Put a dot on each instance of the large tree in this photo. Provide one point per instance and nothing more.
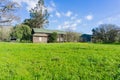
(7, 11)
(21, 32)
(39, 16)
(105, 33)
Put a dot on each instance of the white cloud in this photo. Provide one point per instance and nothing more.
(30, 3)
(52, 7)
(114, 19)
(71, 25)
(74, 17)
(69, 14)
(58, 14)
(74, 24)
(100, 22)
(66, 23)
(53, 4)
(51, 15)
(59, 27)
(78, 20)
(89, 17)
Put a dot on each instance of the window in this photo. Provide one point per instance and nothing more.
(40, 38)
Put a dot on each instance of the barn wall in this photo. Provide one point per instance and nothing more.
(40, 38)
(43, 38)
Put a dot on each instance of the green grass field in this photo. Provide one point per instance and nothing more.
(65, 61)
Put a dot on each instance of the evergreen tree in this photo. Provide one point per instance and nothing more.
(39, 16)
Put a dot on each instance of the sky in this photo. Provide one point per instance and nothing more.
(77, 15)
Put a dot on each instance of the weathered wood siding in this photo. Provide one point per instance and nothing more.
(40, 38)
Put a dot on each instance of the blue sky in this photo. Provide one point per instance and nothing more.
(78, 15)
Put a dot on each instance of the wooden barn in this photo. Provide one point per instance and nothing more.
(40, 35)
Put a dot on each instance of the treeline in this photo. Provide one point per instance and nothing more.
(106, 33)
(17, 33)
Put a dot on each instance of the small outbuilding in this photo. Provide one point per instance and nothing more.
(40, 35)
(85, 38)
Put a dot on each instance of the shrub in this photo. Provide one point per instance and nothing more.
(21, 32)
(53, 37)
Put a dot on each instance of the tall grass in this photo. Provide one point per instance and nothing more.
(67, 61)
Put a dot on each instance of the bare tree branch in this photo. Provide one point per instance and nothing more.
(7, 11)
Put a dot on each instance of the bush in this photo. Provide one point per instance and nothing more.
(53, 37)
(21, 33)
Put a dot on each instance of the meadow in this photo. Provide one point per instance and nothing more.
(59, 61)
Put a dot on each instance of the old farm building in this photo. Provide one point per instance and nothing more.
(41, 35)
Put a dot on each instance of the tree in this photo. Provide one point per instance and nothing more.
(53, 37)
(5, 33)
(118, 36)
(72, 36)
(105, 33)
(21, 32)
(39, 16)
(28, 22)
(7, 11)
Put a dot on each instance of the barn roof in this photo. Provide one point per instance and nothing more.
(41, 30)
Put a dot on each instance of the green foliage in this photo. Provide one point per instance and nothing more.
(28, 22)
(85, 38)
(21, 32)
(105, 33)
(53, 37)
(38, 16)
(69, 61)
(72, 36)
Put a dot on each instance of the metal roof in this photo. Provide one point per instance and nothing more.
(41, 30)
(44, 35)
